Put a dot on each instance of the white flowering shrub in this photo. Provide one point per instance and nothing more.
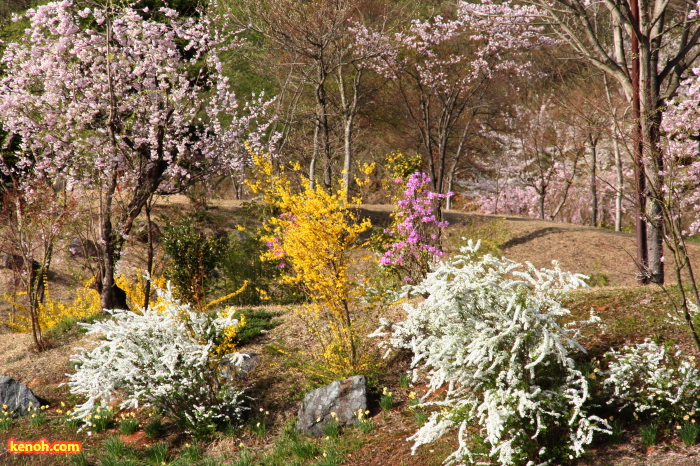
(164, 357)
(490, 334)
(654, 380)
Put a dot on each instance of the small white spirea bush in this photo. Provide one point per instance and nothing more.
(490, 334)
(163, 358)
(656, 380)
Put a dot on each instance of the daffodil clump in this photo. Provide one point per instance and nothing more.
(260, 426)
(331, 428)
(654, 380)
(312, 239)
(128, 423)
(68, 418)
(386, 400)
(98, 420)
(365, 422)
(489, 339)
(165, 357)
(7, 418)
(37, 414)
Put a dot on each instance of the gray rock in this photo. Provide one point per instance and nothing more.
(17, 396)
(343, 397)
(238, 366)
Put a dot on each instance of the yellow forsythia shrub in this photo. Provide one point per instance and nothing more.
(312, 239)
(51, 312)
(135, 290)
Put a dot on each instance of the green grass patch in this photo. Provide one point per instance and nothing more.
(79, 460)
(649, 434)
(69, 326)
(128, 425)
(618, 431)
(116, 448)
(492, 232)
(157, 454)
(628, 314)
(689, 433)
(257, 322)
(154, 428)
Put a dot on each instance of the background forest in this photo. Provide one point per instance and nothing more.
(505, 115)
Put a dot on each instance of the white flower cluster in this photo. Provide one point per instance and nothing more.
(159, 357)
(653, 380)
(491, 335)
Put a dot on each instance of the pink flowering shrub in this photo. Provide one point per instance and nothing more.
(414, 237)
(118, 105)
(681, 171)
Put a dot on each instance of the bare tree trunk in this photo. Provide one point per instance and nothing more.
(108, 296)
(615, 130)
(349, 112)
(594, 188)
(34, 276)
(238, 188)
(650, 122)
(347, 161)
(638, 155)
(448, 200)
(620, 181)
(314, 157)
(149, 256)
(322, 123)
(109, 248)
(568, 181)
(458, 156)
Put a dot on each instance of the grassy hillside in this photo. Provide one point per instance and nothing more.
(629, 315)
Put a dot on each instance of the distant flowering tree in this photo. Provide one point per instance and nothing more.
(648, 48)
(681, 130)
(441, 68)
(33, 219)
(490, 342)
(124, 102)
(679, 198)
(416, 231)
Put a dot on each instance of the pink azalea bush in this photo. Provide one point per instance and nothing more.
(416, 230)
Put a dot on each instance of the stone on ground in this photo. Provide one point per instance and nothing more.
(18, 398)
(338, 401)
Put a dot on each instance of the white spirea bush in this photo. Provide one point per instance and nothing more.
(163, 358)
(653, 379)
(490, 334)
